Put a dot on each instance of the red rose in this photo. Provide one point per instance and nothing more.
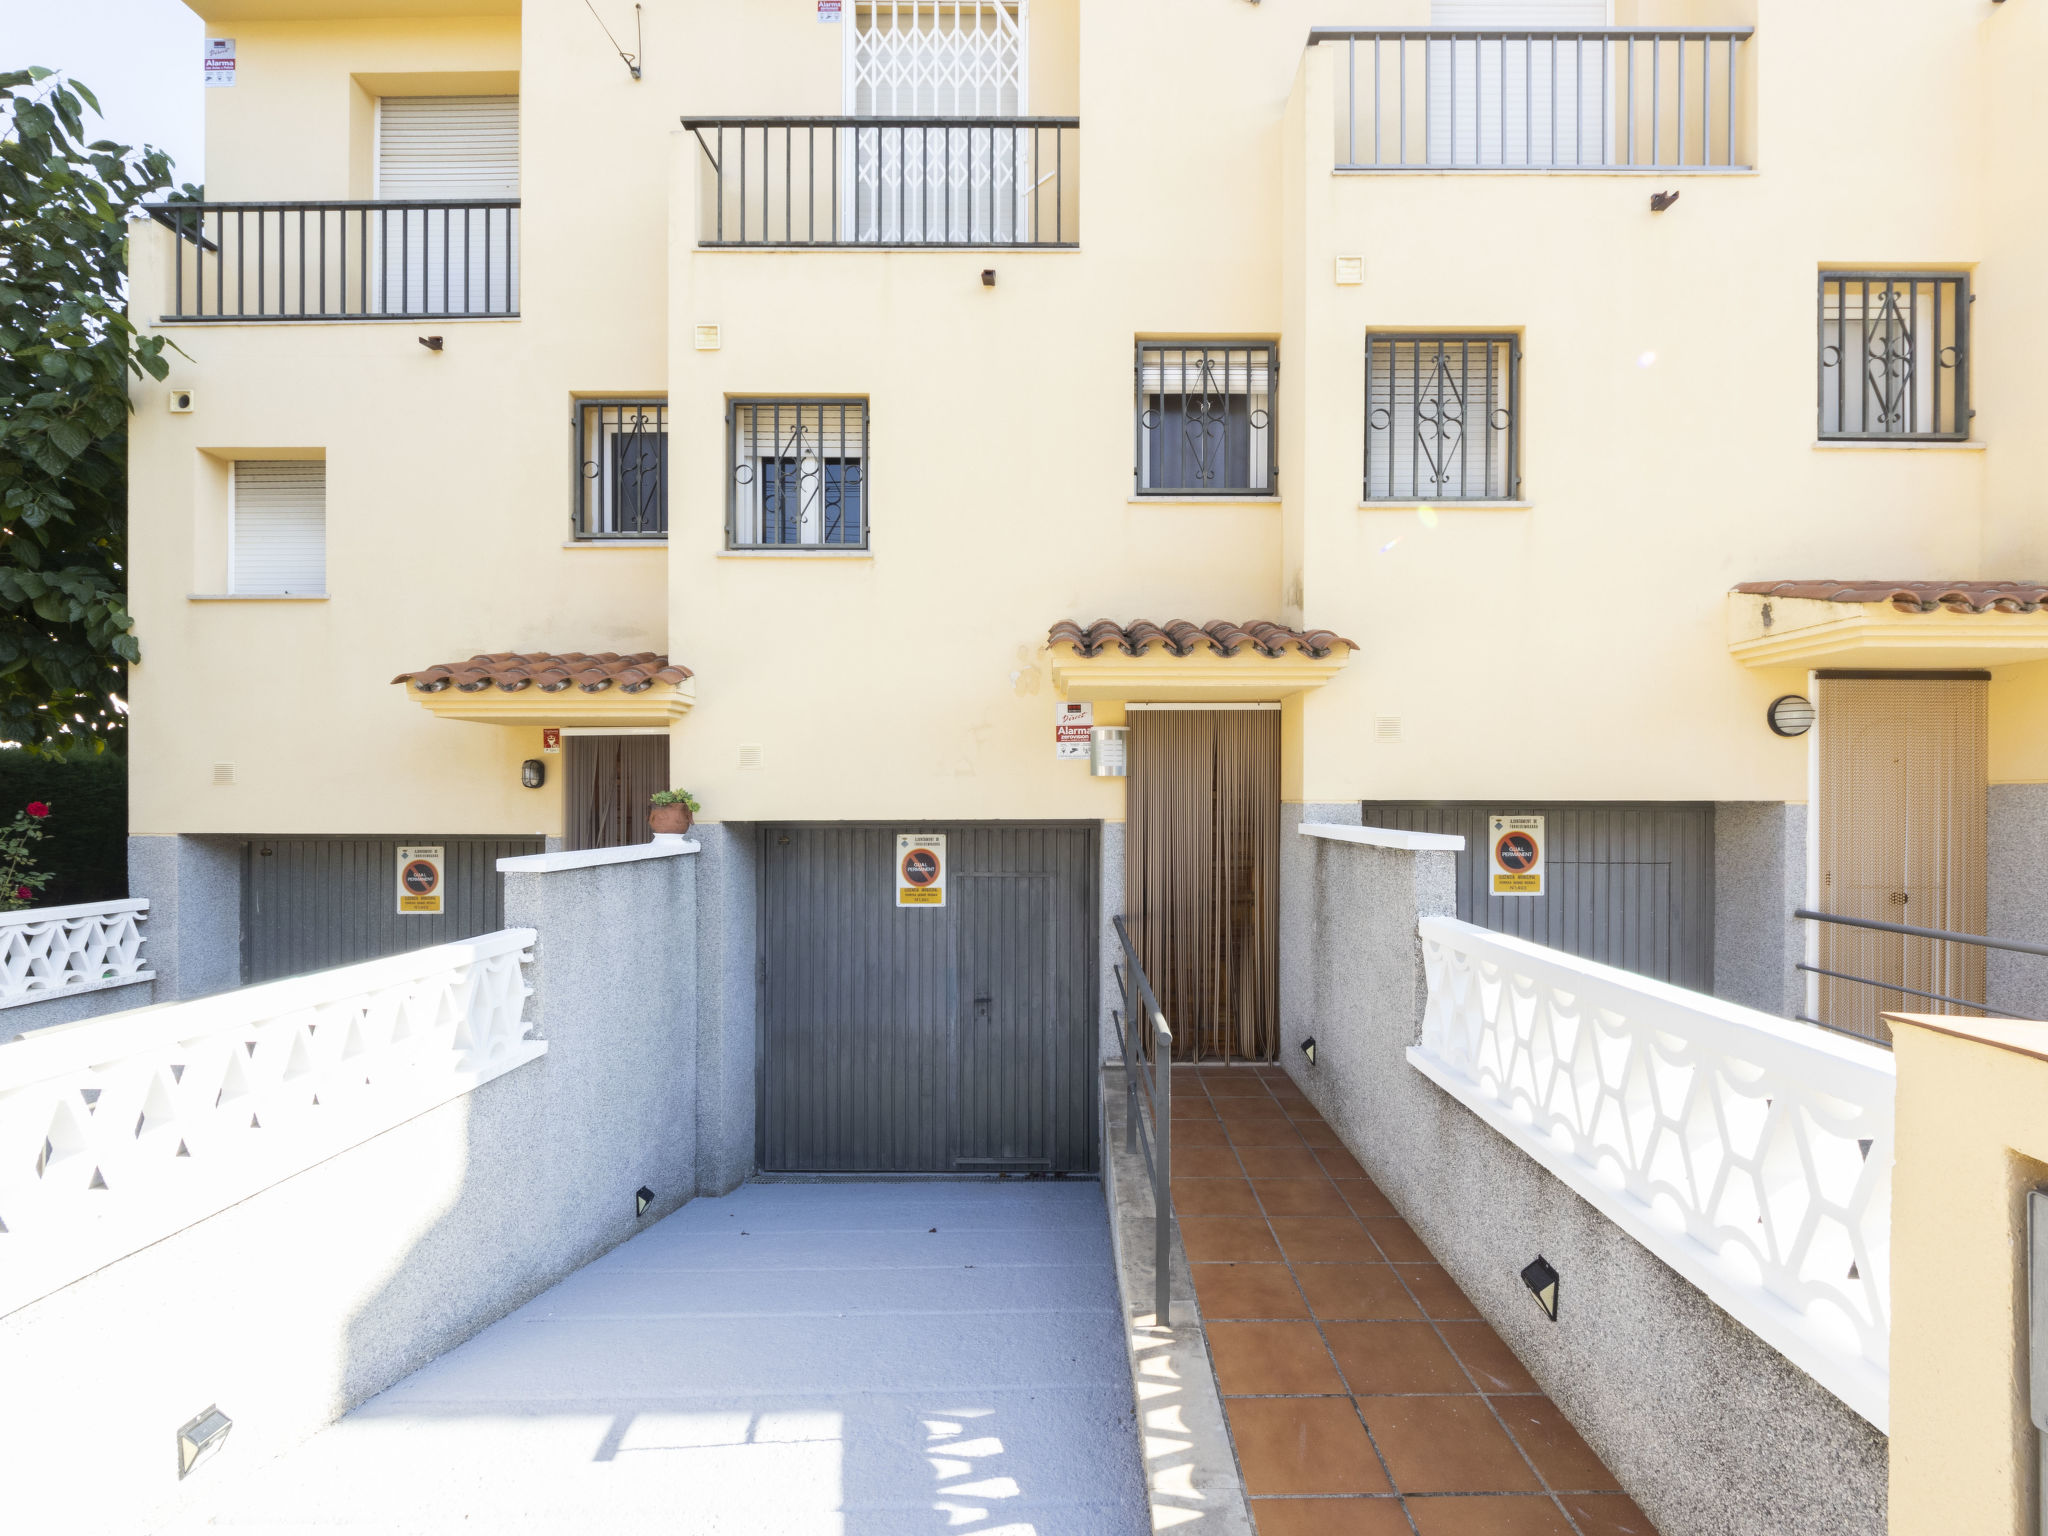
(37, 809)
(21, 892)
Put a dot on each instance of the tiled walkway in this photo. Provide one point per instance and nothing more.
(1365, 1396)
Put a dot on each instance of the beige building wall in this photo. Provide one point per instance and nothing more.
(1572, 648)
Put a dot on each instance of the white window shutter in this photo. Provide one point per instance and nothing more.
(278, 539)
(1518, 103)
(447, 147)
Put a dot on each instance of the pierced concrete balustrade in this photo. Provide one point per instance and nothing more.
(47, 952)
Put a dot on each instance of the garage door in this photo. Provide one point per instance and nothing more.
(953, 1039)
(1629, 885)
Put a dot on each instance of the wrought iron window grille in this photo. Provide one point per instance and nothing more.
(1894, 356)
(1442, 418)
(798, 474)
(1206, 418)
(620, 450)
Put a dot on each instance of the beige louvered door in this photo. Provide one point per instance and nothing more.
(1901, 820)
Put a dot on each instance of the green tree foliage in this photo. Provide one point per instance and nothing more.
(67, 351)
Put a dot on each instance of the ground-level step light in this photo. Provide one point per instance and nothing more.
(200, 1437)
(643, 1197)
(1541, 1278)
(1308, 1048)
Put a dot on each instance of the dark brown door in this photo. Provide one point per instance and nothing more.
(610, 778)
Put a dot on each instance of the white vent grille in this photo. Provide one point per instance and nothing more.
(277, 541)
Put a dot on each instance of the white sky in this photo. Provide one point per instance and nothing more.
(140, 57)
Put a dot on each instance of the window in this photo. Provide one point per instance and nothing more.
(1894, 355)
(1205, 418)
(446, 152)
(277, 528)
(621, 469)
(1520, 100)
(1441, 418)
(799, 474)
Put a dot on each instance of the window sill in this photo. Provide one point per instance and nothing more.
(1851, 444)
(256, 597)
(1168, 499)
(1447, 506)
(615, 543)
(796, 554)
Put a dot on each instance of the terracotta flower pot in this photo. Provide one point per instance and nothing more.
(664, 819)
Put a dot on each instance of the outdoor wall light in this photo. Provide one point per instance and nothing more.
(1541, 1279)
(1659, 201)
(1308, 1048)
(533, 773)
(643, 1197)
(200, 1438)
(1790, 715)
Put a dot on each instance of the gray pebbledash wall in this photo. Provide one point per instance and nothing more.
(194, 886)
(291, 1307)
(1711, 1431)
(728, 900)
(1759, 878)
(2014, 984)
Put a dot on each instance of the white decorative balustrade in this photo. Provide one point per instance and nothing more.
(49, 952)
(117, 1131)
(1751, 1154)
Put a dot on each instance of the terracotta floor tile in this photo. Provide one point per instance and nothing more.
(1214, 1197)
(1247, 1290)
(1330, 1517)
(1486, 1355)
(1239, 1111)
(1446, 1445)
(1285, 1089)
(1340, 1164)
(1206, 1163)
(1272, 1072)
(1387, 1358)
(1301, 1110)
(1355, 1290)
(1235, 1084)
(1198, 1133)
(1323, 1240)
(1193, 1106)
(1607, 1514)
(1288, 1162)
(1266, 1358)
(1264, 1133)
(1439, 1295)
(1520, 1514)
(1302, 1445)
(1560, 1455)
(1300, 1197)
(1364, 1198)
(1228, 1240)
(1397, 1240)
(1320, 1136)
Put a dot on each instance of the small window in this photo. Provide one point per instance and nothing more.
(799, 474)
(1205, 418)
(1894, 355)
(1441, 418)
(277, 528)
(621, 469)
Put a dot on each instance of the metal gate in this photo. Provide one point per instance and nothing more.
(957, 1039)
(309, 903)
(1629, 885)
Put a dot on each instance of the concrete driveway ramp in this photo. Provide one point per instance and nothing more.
(793, 1360)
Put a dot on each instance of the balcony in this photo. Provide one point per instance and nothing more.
(994, 183)
(383, 260)
(1492, 99)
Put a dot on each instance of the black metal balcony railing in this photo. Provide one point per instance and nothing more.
(343, 260)
(898, 181)
(1513, 99)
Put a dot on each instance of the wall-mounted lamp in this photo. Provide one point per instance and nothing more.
(431, 343)
(1659, 201)
(643, 1197)
(1790, 715)
(533, 773)
(988, 277)
(1308, 1048)
(1541, 1279)
(200, 1438)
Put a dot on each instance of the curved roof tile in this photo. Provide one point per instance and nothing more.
(1182, 637)
(511, 671)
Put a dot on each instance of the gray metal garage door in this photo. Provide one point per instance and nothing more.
(1629, 885)
(934, 1040)
(313, 902)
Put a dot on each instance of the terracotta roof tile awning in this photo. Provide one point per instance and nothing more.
(1855, 625)
(555, 688)
(1180, 661)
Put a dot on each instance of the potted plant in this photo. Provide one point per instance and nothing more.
(670, 811)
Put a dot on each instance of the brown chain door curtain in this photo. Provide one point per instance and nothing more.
(1202, 875)
(609, 780)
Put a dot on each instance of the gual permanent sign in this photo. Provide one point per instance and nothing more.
(421, 880)
(1517, 860)
(920, 869)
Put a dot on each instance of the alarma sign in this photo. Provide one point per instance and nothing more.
(920, 869)
(1517, 843)
(420, 881)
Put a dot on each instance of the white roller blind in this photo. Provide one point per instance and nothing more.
(447, 146)
(1518, 102)
(278, 539)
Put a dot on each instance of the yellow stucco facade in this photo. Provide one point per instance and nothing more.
(1572, 644)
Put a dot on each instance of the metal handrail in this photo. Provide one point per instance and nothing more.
(1908, 930)
(1158, 1148)
(2014, 945)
